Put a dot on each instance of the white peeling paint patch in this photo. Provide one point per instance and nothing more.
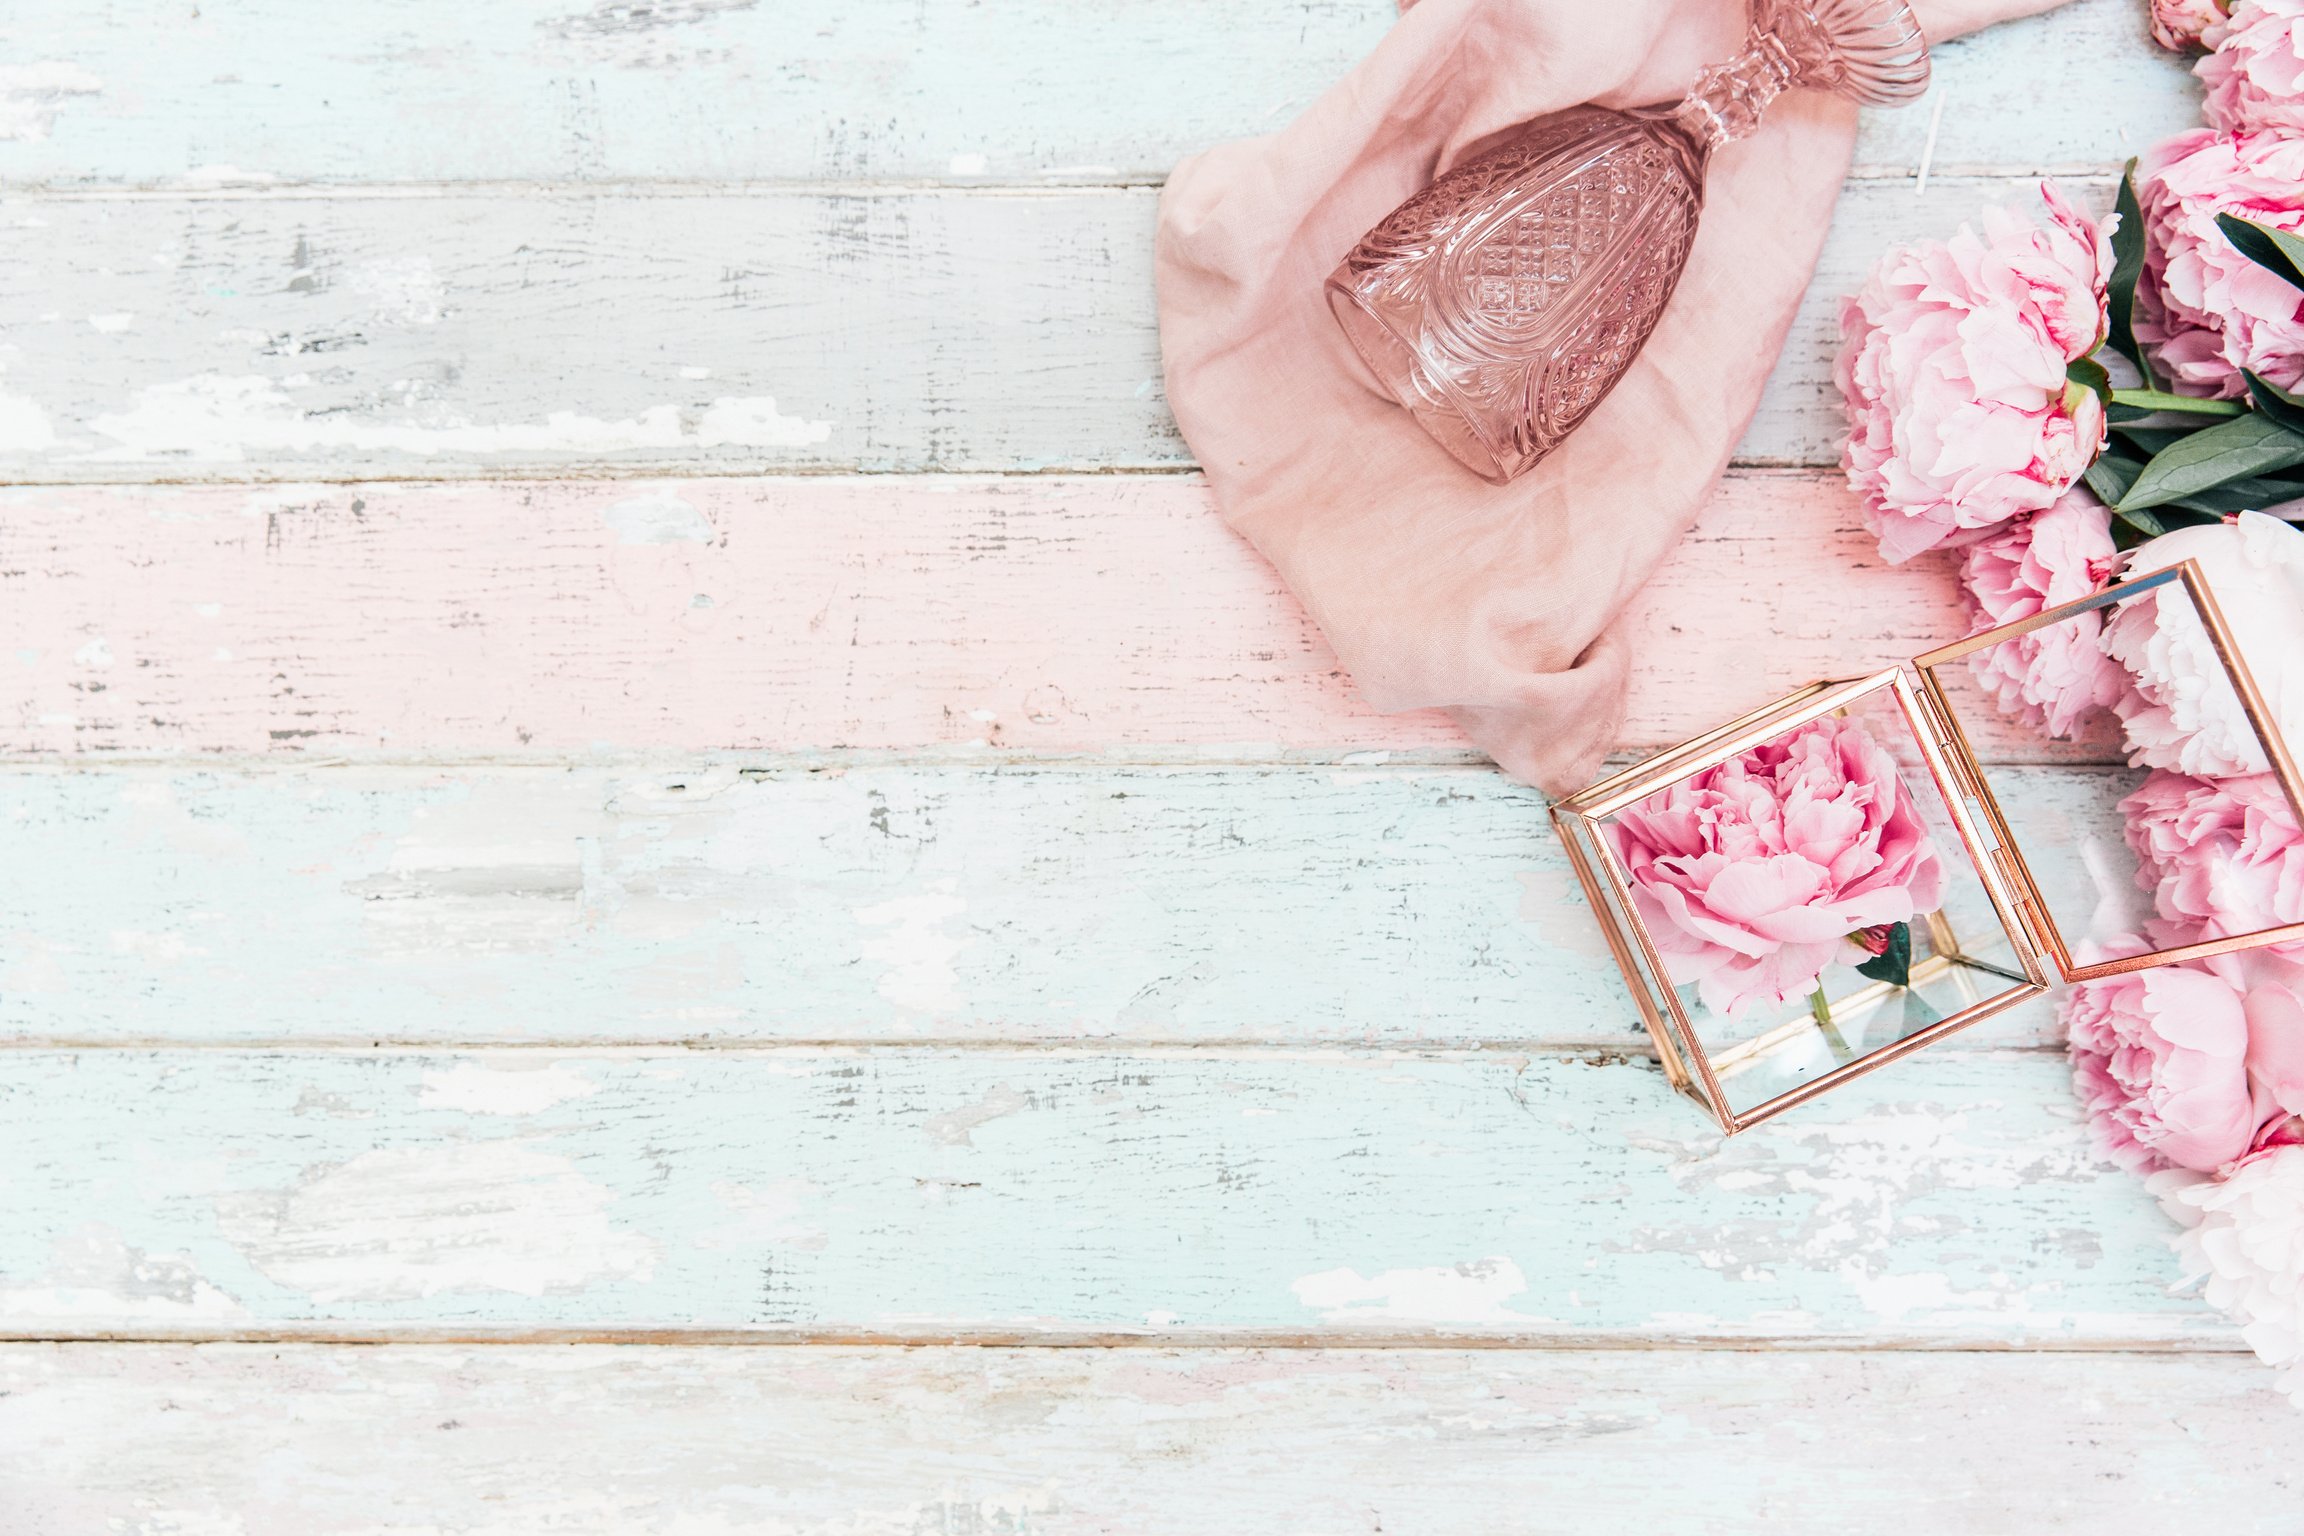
(112, 325)
(660, 517)
(479, 1090)
(500, 865)
(226, 176)
(1920, 1297)
(32, 94)
(155, 810)
(1553, 901)
(952, 1128)
(916, 950)
(96, 653)
(402, 289)
(91, 1272)
(967, 165)
(154, 948)
(731, 422)
(410, 1222)
(1459, 1293)
(30, 964)
(176, 1520)
(24, 427)
(213, 418)
(766, 1217)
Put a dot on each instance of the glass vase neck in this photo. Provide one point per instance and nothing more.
(1869, 50)
(1729, 99)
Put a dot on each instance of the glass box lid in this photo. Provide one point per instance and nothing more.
(1837, 879)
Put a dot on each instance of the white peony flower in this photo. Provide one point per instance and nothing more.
(2182, 713)
(2244, 1235)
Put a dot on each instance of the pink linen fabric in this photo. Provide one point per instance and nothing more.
(1494, 603)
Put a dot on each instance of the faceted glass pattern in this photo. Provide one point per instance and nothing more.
(1502, 303)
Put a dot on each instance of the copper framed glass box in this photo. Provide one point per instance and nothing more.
(1834, 881)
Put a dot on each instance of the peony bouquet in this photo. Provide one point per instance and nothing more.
(2066, 400)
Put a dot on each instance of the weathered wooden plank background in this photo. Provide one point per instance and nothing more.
(725, 902)
(1014, 614)
(296, 333)
(506, 838)
(1167, 1442)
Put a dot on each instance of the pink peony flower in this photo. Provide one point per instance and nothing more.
(2276, 1044)
(2177, 24)
(2244, 1235)
(2052, 679)
(2159, 1058)
(1952, 369)
(2221, 857)
(2206, 310)
(2254, 73)
(2181, 710)
(1752, 875)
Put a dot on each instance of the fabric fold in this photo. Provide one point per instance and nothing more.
(1496, 604)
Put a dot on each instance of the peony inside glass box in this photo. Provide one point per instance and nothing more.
(1836, 880)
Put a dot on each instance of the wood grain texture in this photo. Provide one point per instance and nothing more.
(570, 90)
(728, 330)
(787, 902)
(1034, 615)
(1952, 1199)
(684, 1442)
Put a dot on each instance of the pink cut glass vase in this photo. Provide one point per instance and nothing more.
(1501, 304)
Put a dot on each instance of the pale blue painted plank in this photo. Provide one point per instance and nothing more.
(561, 90)
(1380, 906)
(1952, 1197)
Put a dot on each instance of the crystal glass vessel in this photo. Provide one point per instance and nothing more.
(1501, 304)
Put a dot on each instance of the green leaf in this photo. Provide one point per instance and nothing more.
(2231, 450)
(2275, 250)
(2151, 440)
(1893, 964)
(2149, 524)
(2089, 374)
(2274, 401)
(2111, 475)
(2127, 265)
(2156, 401)
(2126, 535)
(2251, 494)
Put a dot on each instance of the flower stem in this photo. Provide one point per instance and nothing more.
(1820, 1007)
(2187, 405)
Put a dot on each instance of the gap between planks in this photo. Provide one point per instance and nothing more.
(1237, 1339)
(671, 187)
(1597, 1049)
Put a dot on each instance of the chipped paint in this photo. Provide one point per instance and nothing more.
(404, 1223)
(768, 1215)
(661, 516)
(218, 418)
(473, 1089)
(24, 427)
(31, 96)
(91, 1272)
(956, 1127)
(1471, 1292)
(916, 947)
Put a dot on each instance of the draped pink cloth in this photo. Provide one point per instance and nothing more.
(1494, 603)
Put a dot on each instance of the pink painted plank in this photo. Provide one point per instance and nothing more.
(1036, 614)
